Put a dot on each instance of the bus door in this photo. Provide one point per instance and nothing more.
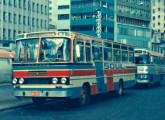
(101, 87)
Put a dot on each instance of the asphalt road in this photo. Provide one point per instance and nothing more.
(135, 104)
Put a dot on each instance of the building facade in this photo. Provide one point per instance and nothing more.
(134, 22)
(127, 21)
(158, 25)
(21, 16)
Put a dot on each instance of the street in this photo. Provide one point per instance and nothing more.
(135, 104)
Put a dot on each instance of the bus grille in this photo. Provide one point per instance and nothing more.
(37, 73)
(37, 81)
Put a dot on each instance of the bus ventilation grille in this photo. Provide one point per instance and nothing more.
(37, 73)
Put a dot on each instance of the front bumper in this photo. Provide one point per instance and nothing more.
(142, 81)
(31, 91)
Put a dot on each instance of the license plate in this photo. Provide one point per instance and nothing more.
(35, 93)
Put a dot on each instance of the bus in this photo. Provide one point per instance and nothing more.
(6, 66)
(57, 64)
(150, 67)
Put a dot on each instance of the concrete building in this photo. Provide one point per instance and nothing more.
(134, 22)
(126, 21)
(21, 16)
(158, 25)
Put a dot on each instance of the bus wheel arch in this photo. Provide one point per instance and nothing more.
(85, 90)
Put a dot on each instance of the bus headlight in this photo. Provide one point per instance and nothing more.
(14, 80)
(143, 76)
(54, 80)
(21, 81)
(63, 80)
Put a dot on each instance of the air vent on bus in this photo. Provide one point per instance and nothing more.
(37, 73)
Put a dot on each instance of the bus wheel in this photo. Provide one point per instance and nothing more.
(84, 98)
(120, 88)
(38, 101)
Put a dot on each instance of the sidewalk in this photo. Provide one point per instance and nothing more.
(7, 100)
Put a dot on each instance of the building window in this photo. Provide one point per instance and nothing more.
(15, 18)
(28, 21)
(33, 22)
(153, 11)
(15, 3)
(4, 16)
(164, 25)
(45, 24)
(41, 9)
(4, 33)
(41, 24)
(37, 23)
(158, 23)
(153, 17)
(19, 18)
(24, 20)
(159, 1)
(50, 8)
(24, 4)
(153, 24)
(45, 10)
(158, 16)
(14, 34)
(10, 3)
(20, 3)
(9, 34)
(158, 9)
(33, 7)
(9, 17)
(37, 8)
(29, 5)
(63, 17)
(4, 2)
(63, 7)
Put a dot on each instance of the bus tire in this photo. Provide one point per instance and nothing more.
(38, 101)
(120, 88)
(84, 98)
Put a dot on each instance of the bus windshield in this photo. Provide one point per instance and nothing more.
(142, 59)
(54, 49)
(27, 50)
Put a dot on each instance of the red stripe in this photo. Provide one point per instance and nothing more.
(75, 72)
(110, 84)
(83, 72)
(20, 73)
(93, 89)
(59, 73)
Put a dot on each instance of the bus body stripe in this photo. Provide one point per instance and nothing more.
(54, 73)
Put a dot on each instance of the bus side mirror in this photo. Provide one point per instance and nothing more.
(77, 51)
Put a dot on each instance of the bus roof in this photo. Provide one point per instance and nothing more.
(64, 34)
(144, 51)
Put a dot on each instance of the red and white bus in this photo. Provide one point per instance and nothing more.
(70, 65)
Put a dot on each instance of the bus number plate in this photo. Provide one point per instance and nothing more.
(35, 93)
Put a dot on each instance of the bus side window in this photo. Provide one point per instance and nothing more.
(97, 53)
(80, 51)
(125, 56)
(107, 54)
(131, 57)
(88, 52)
(116, 55)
